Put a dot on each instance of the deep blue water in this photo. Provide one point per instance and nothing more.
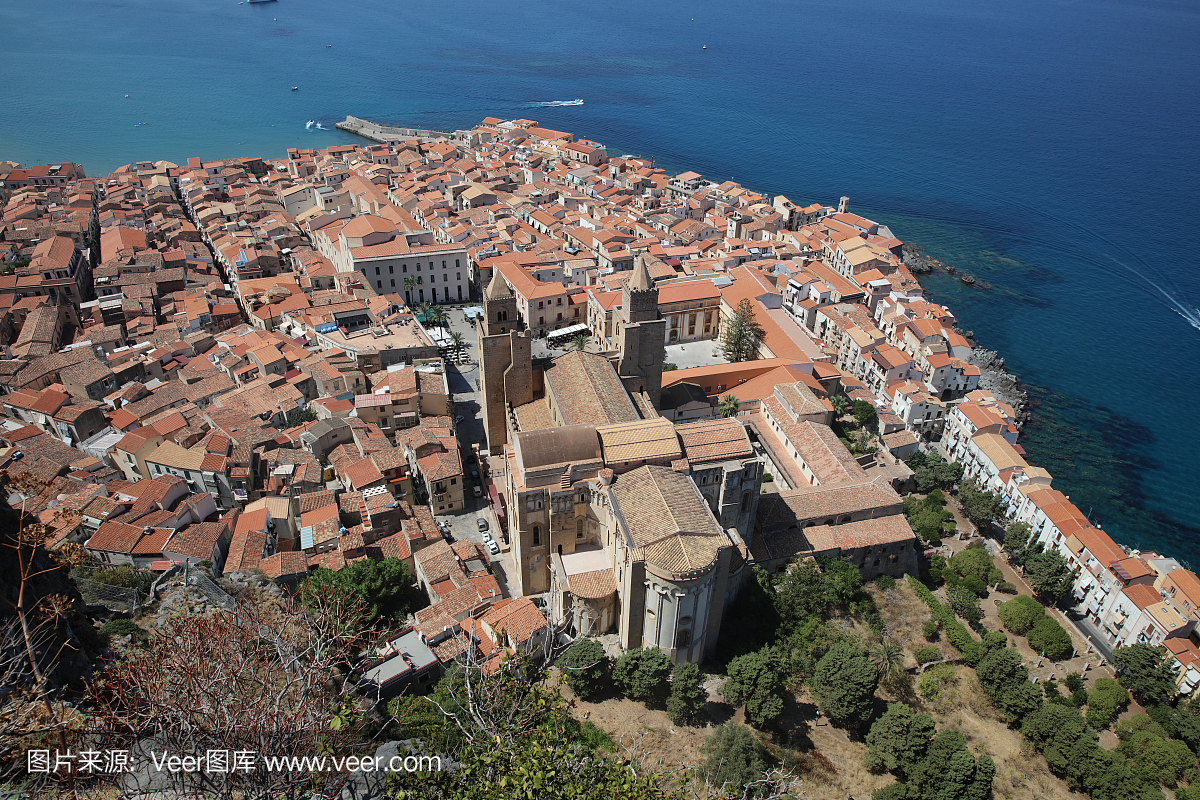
(1048, 146)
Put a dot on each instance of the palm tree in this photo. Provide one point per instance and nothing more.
(438, 315)
(840, 405)
(580, 341)
(409, 283)
(423, 313)
(458, 340)
(730, 405)
(888, 658)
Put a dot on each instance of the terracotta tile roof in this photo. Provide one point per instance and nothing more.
(833, 539)
(281, 564)
(794, 507)
(362, 473)
(587, 390)
(714, 440)
(666, 517)
(314, 500)
(1141, 595)
(534, 416)
(197, 540)
(594, 585)
(519, 619)
(649, 439)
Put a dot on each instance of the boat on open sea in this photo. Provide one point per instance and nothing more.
(310, 123)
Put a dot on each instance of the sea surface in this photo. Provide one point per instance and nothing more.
(1049, 147)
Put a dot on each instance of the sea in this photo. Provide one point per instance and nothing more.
(1048, 147)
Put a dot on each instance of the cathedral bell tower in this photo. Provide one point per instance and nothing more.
(505, 361)
(640, 336)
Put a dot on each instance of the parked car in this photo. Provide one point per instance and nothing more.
(493, 548)
(482, 524)
(475, 474)
(477, 490)
(459, 419)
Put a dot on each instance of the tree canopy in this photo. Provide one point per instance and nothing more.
(584, 667)
(386, 586)
(1049, 575)
(844, 684)
(1021, 613)
(733, 757)
(756, 680)
(981, 506)
(739, 342)
(898, 740)
(641, 674)
(688, 695)
(1144, 670)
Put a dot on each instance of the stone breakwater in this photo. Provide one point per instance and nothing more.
(378, 132)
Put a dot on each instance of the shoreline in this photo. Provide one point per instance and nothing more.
(378, 132)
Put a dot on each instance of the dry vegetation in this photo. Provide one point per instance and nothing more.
(827, 758)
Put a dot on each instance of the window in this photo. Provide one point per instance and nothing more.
(579, 528)
(391, 269)
(445, 278)
(454, 481)
(378, 284)
(560, 316)
(443, 265)
(377, 270)
(559, 303)
(537, 536)
(541, 320)
(541, 304)
(418, 266)
(393, 281)
(456, 264)
(404, 267)
(745, 502)
(458, 276)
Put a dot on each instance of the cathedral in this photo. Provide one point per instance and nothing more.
(631, 524)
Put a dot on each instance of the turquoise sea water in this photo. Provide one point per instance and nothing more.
(1047, 146)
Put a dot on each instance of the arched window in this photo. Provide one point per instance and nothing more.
(683, 638)
(745, 502)
(579, 528)
(537, 536)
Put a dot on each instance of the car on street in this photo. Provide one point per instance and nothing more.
(475, 474)
(482, 524)
(493, 548)
(477, 490)
(459, 419)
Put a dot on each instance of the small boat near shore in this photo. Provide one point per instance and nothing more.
(295, 88)
(310, 123)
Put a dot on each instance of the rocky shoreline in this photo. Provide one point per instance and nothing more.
(993, 377)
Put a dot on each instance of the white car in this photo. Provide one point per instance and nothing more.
(493, 548)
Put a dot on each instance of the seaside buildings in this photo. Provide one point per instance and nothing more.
(235, 362)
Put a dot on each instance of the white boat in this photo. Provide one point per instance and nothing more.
(295, 88)
(310, 123)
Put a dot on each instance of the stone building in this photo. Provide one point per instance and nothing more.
(639, 336)
(505, 361)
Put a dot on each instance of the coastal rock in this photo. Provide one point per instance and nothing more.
(995, 379)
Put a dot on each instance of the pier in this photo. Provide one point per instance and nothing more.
(388, 133)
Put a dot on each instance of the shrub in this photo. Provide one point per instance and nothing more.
(1050, 638)
(1004, 587)
(756, 679)
(965, 603)
(122, 627)
(1020, 614)
(641, 674)
(1103, 702)
(956, 633)
(1074, 681)
(732, 757)
(933, 682)
(688, 696)
(584, 667)
(926, 654)
(844, 683)
(885, 582)
(930, 629)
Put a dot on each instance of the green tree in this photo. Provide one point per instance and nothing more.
(863, 412)
(844, 684)
(965, 603)
(409, 284)
(888, 658)
(580, 341)
(1005, 679)
(1153, 755)
(1053, 729)
(742, 334)
(386, 586)
(458, 340)
(299, 416)
(756, 680)
(1021, 613)
(950, 772)
(641, 674)
(930, 471)
(1144, 670)
(1016, 540)
(1050, 639)
(1105, 699)
(733, 757)
(584, 667)
(898, 740)
(688, 695)
(729, 405)
(976, 562)
(980, 506)
(1049, 575)
(840, 405)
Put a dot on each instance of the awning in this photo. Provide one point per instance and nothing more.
(497, 501)
(570, 330)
